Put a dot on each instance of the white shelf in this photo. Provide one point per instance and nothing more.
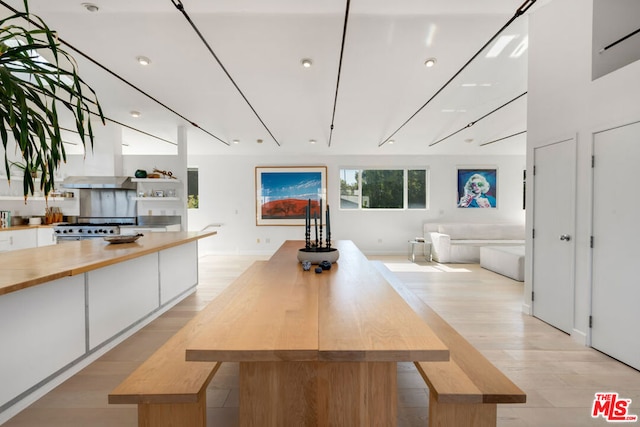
(158, 180)
(157, 199)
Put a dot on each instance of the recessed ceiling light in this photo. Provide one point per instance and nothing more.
(135, 113)
(259, 141)
(312, 141)
(236, 141)
(90, 7)
(306, 62)
(430, 62)
(391, 141)
(143, 60)
(468, 140)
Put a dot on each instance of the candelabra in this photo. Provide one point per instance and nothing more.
(318, 251)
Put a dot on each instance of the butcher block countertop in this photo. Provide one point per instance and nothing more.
(29, 267)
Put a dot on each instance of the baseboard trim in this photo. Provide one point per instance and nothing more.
(579, 337)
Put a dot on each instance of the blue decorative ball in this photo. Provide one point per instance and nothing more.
(318, 269)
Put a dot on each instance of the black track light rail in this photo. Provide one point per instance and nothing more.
(123, 125)
(477, 120)
(118, 123)
(178, 4)
(335, 98)
(138, 130)
(620, 40)
(520, 11)
(32, 22)
(503, 138)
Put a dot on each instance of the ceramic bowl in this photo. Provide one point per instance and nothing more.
(316, 256)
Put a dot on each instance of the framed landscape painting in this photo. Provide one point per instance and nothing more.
(283, 193)
(477, 188)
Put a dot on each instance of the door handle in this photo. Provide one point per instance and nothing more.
(565, 237)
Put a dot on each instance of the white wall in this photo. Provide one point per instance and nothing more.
(564, 102)
(227, 196)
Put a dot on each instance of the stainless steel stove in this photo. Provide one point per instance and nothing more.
(82, 231)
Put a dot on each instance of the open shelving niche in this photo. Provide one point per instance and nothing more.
(50, 199)
(162, 181)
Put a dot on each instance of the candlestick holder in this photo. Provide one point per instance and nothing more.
(319, 251)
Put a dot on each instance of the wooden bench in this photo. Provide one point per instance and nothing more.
(168, 390)
(465, 390)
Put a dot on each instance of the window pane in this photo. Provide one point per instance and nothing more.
(417, 189)
(349, 190)
(192, 188)
(383, 189)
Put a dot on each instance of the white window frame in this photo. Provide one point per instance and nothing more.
(405, 201)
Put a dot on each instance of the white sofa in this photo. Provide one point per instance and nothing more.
(461, 242)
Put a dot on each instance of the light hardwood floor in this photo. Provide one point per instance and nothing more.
(559, 375)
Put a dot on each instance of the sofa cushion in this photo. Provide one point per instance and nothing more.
(470, 231)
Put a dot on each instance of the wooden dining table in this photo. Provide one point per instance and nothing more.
(316, 348)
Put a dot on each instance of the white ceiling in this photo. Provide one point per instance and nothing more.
(383, 80)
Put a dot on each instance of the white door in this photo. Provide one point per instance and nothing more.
(616, 251)
(554, 228)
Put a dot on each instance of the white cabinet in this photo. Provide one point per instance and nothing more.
(115, 305)
(12, 240)
(45, 236)
(43, 331)
(178, 270)
(5, 240)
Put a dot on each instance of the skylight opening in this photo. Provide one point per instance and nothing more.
(499, 46)
(521, 48)
(35, 56)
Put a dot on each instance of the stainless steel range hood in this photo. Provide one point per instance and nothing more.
(97, 182)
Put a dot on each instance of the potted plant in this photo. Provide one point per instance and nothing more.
(32, 89)
(32, 169)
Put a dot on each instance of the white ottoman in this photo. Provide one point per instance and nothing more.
(505, 260)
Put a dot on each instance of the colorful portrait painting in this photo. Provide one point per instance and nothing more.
(283, 194)
(477, 188)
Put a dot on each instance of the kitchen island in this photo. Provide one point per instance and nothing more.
(62, 306)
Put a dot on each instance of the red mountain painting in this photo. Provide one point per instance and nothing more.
(288, 209)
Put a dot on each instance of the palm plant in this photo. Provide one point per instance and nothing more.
(31, 90)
